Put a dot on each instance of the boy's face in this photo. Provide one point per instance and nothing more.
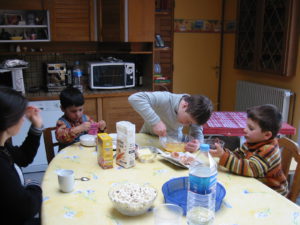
(73, 113)
(182, 116)
(254, 134)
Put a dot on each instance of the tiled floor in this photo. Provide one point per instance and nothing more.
(39, 177)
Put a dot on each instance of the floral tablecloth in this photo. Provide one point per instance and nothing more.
(247, 200)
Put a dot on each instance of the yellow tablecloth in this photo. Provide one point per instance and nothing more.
(247, 200)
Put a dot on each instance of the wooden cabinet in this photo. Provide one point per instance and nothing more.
(112, 109)
(90, 108)
(116, 109)
(22, 5)
(72, 20)
(126, 20)
(163, 53)
(266, 37)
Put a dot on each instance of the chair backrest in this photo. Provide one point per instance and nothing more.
(49, 143)
(290, 150)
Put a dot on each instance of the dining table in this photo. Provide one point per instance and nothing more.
(247, 200)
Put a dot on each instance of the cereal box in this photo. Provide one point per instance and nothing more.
(125, 144)
(105, 151)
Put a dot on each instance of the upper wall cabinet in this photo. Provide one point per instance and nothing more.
(266, 36)
(126, 20)
(72, 20)
(22, 5)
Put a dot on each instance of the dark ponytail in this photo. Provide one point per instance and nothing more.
(12, 107)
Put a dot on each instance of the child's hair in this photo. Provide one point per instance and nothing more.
(267, 116)
(71, 96)
(13, 107)
(199, 107)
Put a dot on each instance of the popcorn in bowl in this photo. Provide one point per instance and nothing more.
(132, 199)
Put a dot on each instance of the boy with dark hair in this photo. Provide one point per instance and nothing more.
(166, 113)
(73, 123)
(259, 156)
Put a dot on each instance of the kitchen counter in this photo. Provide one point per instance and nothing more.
(88, 93)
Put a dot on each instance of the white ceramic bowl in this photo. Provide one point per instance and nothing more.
(88, 140)
(132, 199)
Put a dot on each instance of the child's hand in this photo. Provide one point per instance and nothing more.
(32, 113)
(85, 126)
(218, 152)
(102, 125)
(192, 145)
(160, 129)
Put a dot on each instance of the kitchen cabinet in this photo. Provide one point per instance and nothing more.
(126, 20)
(266, 37)
(90, 108)
(163, 52)
(24, 26)
(22, 5)
(72, 20)
(116, 109)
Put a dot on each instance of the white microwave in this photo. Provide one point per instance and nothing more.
(111, 75)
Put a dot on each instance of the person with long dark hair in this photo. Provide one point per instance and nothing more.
(20, 200)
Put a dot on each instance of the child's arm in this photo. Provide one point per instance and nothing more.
(66, 135)
(255, 166)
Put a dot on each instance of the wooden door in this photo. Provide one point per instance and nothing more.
(116, 109)
(196, 55)
(133, 22)
(72, 20)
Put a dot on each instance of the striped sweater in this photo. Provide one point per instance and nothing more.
(260, 160)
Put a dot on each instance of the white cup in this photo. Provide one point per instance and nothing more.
(168, 214)
(66, 180)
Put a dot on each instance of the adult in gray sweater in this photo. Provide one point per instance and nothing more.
(166, 113)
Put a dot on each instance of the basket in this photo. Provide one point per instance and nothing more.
(175, 192)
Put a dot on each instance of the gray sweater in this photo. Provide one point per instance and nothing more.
(162, 106)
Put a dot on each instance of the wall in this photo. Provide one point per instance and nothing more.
(189, 83)
(231, 75)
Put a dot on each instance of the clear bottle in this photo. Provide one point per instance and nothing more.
(77, 74)
(201, 198)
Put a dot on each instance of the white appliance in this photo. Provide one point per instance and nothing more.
(50, 111)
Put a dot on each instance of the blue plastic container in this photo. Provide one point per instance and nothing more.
(175, 192)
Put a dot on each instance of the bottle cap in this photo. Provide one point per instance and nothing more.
(204, 147)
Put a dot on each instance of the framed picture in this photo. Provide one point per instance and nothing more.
(12, 19)
(159, 41)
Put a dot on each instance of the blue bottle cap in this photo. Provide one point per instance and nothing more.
(204, 147)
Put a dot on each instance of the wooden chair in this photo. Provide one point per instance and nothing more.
(49, 143)
(290, 150)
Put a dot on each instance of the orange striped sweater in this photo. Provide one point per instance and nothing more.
(260, 160)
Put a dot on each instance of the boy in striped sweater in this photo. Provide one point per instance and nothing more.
(259, 156)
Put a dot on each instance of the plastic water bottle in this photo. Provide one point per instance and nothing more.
(77, 74)
(201, 198)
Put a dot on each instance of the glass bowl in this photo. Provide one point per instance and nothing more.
(146, 154)
(132, 199)
(171, 144)
(211, 142)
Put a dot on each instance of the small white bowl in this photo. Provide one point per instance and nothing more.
(88, 140)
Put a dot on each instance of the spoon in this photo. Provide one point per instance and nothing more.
(83, 179)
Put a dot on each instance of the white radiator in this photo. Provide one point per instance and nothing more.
(250, 94)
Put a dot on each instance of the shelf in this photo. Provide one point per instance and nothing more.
(22, 26)
(32, 25)
(162, 49)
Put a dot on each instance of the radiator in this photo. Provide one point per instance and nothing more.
(250, 94)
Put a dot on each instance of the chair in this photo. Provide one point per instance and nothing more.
(49, 144)
(290, 150)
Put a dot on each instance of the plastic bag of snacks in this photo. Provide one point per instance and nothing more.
(125, 144)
